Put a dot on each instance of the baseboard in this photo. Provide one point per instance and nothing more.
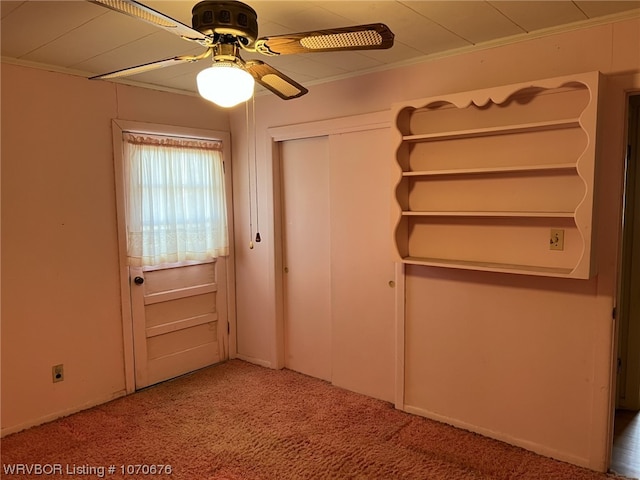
(63, 413)
(255, 361)
(527, 445)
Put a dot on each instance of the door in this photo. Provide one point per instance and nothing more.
(628, 380)
(625, 454)
(306, 256)
(339, 297)
(362, 270)
(179, 319)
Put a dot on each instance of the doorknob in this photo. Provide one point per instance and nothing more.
(138, 280)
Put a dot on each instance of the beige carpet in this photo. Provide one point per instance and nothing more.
(239, 421)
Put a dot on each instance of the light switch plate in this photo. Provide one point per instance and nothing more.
(556, 239)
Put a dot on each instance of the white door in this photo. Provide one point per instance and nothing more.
(306, 256)
(179, 319)
(339, 297)
(179, 314)
(362, 270)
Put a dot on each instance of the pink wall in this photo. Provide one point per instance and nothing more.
(60, 284)
(527, 360)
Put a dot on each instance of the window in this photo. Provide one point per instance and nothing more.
(175, 203)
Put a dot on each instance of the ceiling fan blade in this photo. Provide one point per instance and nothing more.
(359, 37)
(274, 80)
(149, 15)
(125, 72)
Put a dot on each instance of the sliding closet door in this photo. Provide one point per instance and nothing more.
(362, 270)
(339, 275)
(306, 256)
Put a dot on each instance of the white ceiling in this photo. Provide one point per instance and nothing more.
(86, 39)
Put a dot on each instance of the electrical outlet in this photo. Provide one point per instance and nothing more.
(556, 239)
(57, 372)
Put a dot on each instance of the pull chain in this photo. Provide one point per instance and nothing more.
(255, 169)
(246, 110)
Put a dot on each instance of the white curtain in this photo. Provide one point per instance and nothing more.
(176, 208)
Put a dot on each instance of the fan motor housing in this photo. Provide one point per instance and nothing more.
(226, 18)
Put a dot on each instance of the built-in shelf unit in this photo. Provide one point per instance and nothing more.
(485, 176)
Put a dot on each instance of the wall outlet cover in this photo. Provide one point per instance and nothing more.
(57, 372)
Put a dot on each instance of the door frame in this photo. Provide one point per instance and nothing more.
(619, 90)
(118, 127)
(321, 128)
(628, 379)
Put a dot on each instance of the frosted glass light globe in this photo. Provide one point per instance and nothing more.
(225, 84)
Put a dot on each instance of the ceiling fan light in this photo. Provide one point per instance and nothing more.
(225, 84)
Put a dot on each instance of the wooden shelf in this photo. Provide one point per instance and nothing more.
(493, 170)
(509, 166)
(489, 214)
(497, 130)
(489, 266)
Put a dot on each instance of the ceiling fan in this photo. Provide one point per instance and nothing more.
(224, 28)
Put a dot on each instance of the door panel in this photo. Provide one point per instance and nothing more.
(180, 340)
(363, 300)
(183, 310)
(306, 255)
(179, 317)
(161, 281)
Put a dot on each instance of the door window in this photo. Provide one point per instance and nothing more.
(175, 202)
